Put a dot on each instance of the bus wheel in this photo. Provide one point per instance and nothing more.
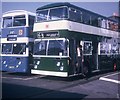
(86, 69)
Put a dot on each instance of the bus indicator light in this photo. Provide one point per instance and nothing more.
(58, 63)
(35, 66)
(38, 62)
(19, 63)
(4, 62)
(17, 66)
(61, 68)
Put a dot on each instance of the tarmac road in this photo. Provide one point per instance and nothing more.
(36, 86)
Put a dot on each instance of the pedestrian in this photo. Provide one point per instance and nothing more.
(80, 60)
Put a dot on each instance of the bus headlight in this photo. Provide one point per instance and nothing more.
(61, 68)
(35, 66)
(4, 62)
(19, 63)
(38, 62)
(58, 64)
(17, 66)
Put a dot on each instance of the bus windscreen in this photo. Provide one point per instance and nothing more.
(13, 48)
(50, 48)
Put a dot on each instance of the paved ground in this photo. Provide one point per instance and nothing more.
(36, 86)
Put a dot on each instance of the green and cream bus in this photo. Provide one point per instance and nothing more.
(60, 27)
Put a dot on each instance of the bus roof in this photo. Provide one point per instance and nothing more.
(69, 5)
(53, 5)
(17, 12)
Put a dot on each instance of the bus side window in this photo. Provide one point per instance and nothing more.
(87, 48)
(7, 22)
(99, 22)
(107, 24)
(86, 18)
(94, 21)
(103, 24)
(75, 15)
(31, 20)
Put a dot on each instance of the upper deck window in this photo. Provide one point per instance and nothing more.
(19, 20)
(75, 15)
(42, 15)
(7, 22)
(52, 14)
(13, 21)
(58, 13)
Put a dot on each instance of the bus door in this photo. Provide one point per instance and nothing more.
(95, 56)
(87, 52)
(30, 46)
(79, 57)
(72, 46)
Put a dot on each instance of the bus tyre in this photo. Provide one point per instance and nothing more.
(85, 69)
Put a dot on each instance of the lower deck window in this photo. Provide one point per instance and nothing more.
(13, 48)
(50, 47)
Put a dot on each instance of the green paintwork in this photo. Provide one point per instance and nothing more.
(50, 64)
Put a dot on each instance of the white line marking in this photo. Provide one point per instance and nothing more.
(23, 78)
(13, 78)
(112, 74)
(110, 80)
(34, 77)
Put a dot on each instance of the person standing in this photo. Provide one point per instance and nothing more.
(80, 59)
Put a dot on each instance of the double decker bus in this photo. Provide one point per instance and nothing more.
(60, 28)
(17, 41)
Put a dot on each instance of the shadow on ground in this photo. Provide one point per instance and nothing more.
(11, 91)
